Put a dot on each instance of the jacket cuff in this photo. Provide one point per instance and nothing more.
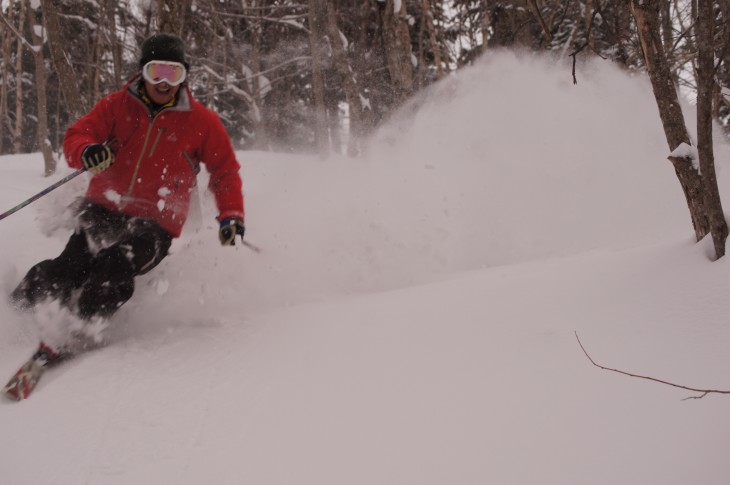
(230, 214)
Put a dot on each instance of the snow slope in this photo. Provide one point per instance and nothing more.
(411, 318)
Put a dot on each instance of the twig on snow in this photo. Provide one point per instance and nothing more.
(703, 392)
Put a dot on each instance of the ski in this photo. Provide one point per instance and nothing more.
(21, 385)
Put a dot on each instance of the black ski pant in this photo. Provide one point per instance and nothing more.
(94, 275)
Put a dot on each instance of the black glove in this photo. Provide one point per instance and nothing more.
(97, 158)
(230, 227)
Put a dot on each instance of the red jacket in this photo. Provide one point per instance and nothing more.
(157, 157)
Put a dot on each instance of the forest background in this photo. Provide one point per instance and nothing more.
(318, 76)
(300, 75)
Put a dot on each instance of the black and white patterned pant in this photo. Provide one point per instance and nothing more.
(94, 275)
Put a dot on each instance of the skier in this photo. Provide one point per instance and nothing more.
(142, 145)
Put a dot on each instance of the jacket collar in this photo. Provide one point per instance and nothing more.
(135, 88)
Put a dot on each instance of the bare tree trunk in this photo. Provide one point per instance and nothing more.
(172, 15)
(397, 44)
(362, 37)
(57, 135)
(588, 20)
(148, 18)
(316, 16)
(666, 25)
(544, 25)
(486, 25)
(721, 102)
(40, 84)
(334, 120)
(705, 84)
(439, 39)
(18, 130)
(359, 118)
(422, 69)
(646, 13)
(260, 124)
(66, 76)
(435, 47)
(622, 24)
(7, 45)
(114, 44)
(94, 65)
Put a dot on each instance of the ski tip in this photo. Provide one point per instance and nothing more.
(24, 381)
(15, 391)
(12, 395)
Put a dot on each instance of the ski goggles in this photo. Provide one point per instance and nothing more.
(156, 72)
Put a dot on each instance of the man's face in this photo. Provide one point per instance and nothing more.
(160, 93)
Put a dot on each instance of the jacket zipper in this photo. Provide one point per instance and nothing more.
(144, 149)
(157, 140)
(139, 164)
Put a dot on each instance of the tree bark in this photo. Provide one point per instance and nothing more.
(7, 44)
(44, 143)
(397, 44)
(65, 71)
(624, 45)
(261, 129)
(666, 26)
(18, 130)
(646, 14)
(359, 116)
(316, 16)
(435, 47)
(485, 25)
(94, 64)
(114, 44)
(544, 25)
(705, 85)
(172, 15)
(721, 101)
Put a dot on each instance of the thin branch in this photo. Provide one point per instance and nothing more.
(536, 11)
(721, 57)
(17, 33)
(703, 392)
(585, 44)
(685, 33)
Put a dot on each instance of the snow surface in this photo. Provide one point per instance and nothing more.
(411, 317)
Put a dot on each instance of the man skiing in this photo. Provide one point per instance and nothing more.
(143, 145)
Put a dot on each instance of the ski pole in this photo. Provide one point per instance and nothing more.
(41, 193)
(250, 246)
